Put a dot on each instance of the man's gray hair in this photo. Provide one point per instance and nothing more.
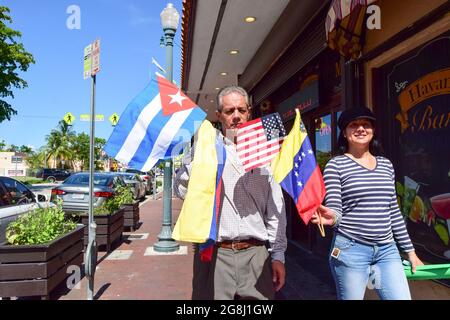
(231, 89)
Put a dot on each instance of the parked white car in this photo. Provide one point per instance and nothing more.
(16, 199)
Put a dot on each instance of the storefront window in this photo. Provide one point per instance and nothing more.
(323, 140)
(417, 101)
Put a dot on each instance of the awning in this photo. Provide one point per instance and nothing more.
(344, 26)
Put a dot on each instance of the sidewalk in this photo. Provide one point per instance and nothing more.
(128, 273)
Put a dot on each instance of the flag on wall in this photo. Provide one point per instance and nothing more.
(296, 170)
(259, 140)
(155, 125)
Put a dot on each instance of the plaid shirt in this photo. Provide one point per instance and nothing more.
(253, 204)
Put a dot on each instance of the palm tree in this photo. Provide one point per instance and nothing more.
(59, 143)
(36, 160)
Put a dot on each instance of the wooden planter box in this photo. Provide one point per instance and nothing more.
(109, 228)
(35, 270)
(131, 215)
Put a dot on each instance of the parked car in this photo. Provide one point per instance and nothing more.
(147, 178)
(16, 199)
(136, 183)
(53, 175)
(74, 191)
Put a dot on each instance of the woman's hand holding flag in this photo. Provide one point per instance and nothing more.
(324, 217)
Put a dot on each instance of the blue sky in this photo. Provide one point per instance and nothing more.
(129, 32)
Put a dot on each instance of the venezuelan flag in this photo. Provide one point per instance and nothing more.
(296, 170)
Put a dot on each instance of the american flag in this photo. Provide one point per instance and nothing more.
(259, 140)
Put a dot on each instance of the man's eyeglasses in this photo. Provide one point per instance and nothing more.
(241, 110)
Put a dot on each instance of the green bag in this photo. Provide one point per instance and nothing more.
(428, 272)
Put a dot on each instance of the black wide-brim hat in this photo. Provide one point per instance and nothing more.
(352, 114)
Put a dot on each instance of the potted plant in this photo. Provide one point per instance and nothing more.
(40, 247)
(130, 207)
(109, 218)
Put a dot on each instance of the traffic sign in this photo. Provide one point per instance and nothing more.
(95, 57)
(87, 61)
(114, 118)
(69, 118)
(87, 117)
(92, 59)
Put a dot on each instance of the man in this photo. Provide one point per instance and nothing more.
(248, 259)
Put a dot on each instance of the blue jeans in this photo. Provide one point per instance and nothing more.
(356, 266)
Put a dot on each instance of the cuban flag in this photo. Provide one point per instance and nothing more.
(296, 170)
(155, 125)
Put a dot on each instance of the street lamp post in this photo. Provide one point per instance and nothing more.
(169, 20)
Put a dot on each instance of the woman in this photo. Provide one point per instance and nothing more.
(361, 205)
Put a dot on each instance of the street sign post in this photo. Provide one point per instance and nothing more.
(91, 68)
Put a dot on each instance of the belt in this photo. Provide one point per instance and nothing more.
(240, 244)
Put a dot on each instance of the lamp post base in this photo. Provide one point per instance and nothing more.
(166, 246)
(165, 242)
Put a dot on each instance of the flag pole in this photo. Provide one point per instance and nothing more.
(320, 225)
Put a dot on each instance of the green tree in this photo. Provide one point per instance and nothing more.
(25, 149)
(81, 151)
(36, 160)
(13, 148)
(13, 58)
(59, 143)
(99, 143)
(2, 145)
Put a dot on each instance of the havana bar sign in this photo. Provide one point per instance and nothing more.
(433, 84)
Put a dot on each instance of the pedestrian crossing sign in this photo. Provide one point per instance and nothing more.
(114, 118)
(69, 118)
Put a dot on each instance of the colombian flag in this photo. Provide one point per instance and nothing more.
(296, 170)
(199, 216)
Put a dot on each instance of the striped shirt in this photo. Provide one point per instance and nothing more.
(365, 202)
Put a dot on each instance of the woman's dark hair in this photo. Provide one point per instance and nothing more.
(375, 146)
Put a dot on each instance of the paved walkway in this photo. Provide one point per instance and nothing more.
(130, 273)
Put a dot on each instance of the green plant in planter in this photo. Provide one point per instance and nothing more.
(39, 226)
(123, 196)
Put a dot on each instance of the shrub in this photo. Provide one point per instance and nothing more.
(39, 226)
(123, 196)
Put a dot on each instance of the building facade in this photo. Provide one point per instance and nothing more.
(12, 164)
(394, 57)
